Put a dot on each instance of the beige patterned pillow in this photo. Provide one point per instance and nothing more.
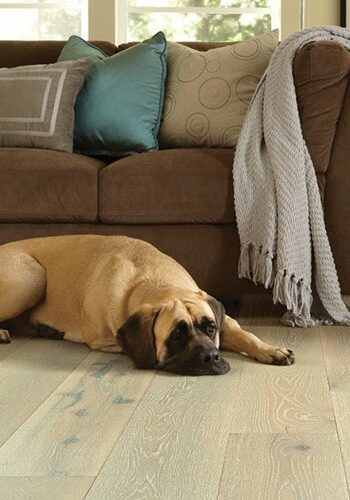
(208, 93)
(37, 104)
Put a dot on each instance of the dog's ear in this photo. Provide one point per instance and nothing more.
(136, 337)
(218, 310)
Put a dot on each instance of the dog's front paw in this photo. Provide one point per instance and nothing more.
(276, 356)
(4, 337)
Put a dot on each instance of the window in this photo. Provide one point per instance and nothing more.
(42, 19)
(203, 20)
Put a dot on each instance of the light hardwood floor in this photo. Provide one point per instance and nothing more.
(78, 424)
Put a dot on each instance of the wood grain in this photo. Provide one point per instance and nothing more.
(38, 488)
(76, 423)
(284, 398)
(29, 375)
(336, 345)
(283, 467)
(174, 445)
(72, 433)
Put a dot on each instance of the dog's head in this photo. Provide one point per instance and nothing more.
(179, 335)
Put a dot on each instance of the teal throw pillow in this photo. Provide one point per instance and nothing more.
(119, 109)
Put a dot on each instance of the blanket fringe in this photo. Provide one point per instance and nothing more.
(259, 265)
(256, 265)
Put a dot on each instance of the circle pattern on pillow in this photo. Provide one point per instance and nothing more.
(248, 50)
(214, 93)
(213, 66)
(229, 135)
(244, 86)
(170, 101)
(191, 67)
(197, 125)
(207, 93)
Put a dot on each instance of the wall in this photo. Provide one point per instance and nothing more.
(318, 12)
(102, 20)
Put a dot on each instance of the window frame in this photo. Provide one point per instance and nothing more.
(103, 19)
(124, 9)
(84, 18)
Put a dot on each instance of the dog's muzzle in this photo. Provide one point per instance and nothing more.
(200, 362)
(212, 362)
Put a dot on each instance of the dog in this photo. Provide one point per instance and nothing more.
(122, 295)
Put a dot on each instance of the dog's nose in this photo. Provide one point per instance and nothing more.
(210, 358)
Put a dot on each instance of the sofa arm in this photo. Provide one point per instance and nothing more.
(321, 76)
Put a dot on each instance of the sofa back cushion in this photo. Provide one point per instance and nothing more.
(23, 53)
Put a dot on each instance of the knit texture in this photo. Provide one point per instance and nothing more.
(277, 201)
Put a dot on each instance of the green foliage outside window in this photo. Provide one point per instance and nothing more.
(207, 27)
(58, 25)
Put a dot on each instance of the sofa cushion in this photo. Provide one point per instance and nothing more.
(23, 52)
(172, 186)
(169, 186)
(39, 185)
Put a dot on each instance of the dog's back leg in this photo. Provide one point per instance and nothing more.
(22, 285)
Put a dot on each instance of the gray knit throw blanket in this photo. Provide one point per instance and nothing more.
(277, 201)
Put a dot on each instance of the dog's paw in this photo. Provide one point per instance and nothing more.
(283, 357)
(4, 337)
(276, 356)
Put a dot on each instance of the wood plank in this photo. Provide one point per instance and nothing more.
(284, 398)
(280, 466)
(29, 375)
(38, 488)
(74, 430)
(174, 445)
(336, 346)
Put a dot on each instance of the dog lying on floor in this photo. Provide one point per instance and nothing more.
(119, 294)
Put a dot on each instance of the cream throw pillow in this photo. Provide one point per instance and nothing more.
(208, 93)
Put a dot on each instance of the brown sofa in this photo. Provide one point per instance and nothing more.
(180, 200)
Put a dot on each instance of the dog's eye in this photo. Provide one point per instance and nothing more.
(211, 330)
(177, 339)
(208, 326)
(178, 333)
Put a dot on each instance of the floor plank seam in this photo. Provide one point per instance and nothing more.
(47, 477)
(124, 428)
(223, 466)
(335, 416)
(43, 402)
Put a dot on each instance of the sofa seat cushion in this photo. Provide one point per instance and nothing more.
(169, 186)
(38, 185)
